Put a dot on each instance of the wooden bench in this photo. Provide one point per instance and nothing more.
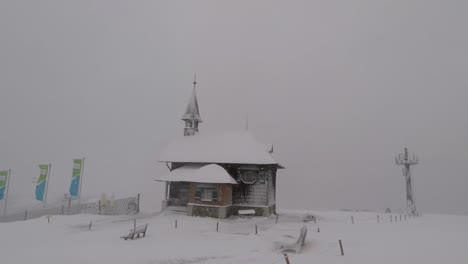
(141, 229)
(246, 212)
(295, 247)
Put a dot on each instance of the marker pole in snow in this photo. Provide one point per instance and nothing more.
(286, 258)
(341, 247)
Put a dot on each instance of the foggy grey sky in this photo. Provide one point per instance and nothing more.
(339, 87)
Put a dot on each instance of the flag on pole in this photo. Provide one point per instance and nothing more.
(41, 184)
(3, 183)
(76, 177)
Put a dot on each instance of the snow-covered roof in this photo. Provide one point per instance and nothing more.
(211, 173)
(231, 147)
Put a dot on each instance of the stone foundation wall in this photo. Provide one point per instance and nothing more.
(259, 211)
(207, 211)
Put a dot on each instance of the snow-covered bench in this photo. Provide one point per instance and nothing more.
(141, 229)
(295, 247)
(246, 212)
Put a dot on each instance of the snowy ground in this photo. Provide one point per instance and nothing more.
(66, 239)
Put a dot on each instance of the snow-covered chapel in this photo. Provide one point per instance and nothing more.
(218, 175)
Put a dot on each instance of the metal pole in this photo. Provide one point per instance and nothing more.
(47, 184)
(6, 193)
(81, 180)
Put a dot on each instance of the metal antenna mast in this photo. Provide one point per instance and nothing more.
(403, 159)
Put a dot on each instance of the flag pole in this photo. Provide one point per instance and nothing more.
(6, 193)
(47, 184)
(81, 180)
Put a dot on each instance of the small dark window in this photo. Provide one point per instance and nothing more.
(207, 195)
(198, 194)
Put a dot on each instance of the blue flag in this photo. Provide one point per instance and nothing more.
(76, 177)
(42, 182)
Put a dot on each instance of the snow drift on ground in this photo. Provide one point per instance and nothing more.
(66, 239)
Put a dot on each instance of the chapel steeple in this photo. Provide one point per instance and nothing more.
(192, 113)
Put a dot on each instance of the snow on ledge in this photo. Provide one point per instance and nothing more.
(198, 173)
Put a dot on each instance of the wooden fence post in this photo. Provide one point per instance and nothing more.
(217, 226)
(25, 215)
(90, 224)
(176, 223)
(256, 230)
(341, 248)
(138, 204)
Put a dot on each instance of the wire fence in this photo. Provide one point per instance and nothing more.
(123, 206)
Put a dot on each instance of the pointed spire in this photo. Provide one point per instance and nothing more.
(192, 112)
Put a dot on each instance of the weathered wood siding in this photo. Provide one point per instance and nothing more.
(271, 187)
